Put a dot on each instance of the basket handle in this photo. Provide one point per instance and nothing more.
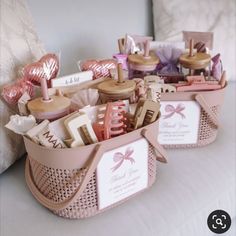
(203, 103)
(92, 167)
(153, 141)
(62, 205)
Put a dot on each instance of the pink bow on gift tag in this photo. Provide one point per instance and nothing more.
(120, 158)
(172, 110)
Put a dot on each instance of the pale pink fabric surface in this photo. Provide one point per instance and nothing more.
(19, 45)
(171, 17)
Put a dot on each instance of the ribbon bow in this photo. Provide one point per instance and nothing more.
(172, 110)
(120, 158)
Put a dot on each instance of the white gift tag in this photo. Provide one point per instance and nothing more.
(179, 122)
(73, 79)
(122, 172)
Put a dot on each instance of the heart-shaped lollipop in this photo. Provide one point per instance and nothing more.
(47, 67)
(12, 93)
(201, 47)
(99, 68)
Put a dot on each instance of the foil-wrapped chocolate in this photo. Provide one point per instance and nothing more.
(201, 47)
(47, 67)
(12, 92)
(99, 68)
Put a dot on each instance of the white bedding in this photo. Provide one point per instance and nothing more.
(193, 184)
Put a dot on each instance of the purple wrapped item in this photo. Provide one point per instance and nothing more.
(168, 56)
(217, 68)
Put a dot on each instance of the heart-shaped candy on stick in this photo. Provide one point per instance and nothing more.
(47, 67)
(99, 68)
(46, 107)
(12, 92)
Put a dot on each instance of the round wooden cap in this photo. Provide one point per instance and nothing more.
(140, 59)
(114, 87)
(56, 103)
(197, 61)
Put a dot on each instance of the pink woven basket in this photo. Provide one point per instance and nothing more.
(210, 103)
(64, 180)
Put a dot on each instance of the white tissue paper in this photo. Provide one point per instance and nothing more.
(21, 124)
(84, 98)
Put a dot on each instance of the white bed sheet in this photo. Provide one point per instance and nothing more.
(193, 183)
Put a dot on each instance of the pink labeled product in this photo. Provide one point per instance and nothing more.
(121, 57)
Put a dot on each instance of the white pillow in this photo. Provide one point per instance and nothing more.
(174, 16)
(19, 45)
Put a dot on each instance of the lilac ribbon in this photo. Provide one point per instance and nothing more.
(120, 158)
(172, 110)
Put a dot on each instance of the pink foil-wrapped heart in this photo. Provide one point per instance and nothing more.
(47, 67)
(217, 67)
(12, 93)
(99, 68)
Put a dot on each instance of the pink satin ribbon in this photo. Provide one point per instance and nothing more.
(172, 110)
(120, 158)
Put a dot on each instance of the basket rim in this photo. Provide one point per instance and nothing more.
(28, 140)
(71, 158)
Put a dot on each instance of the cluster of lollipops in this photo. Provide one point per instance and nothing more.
(33, 75)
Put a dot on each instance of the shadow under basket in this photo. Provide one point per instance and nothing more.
(210, 103)
(65, 180)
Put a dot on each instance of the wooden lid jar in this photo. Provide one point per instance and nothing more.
(113, 90)
(195, 61)
(50, 108)
(146, 62)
